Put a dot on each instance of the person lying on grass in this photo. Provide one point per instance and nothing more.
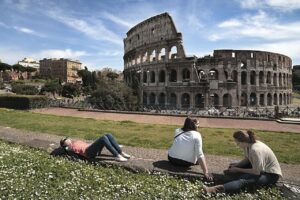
(260, 166)
(92, 150)
(186, 149)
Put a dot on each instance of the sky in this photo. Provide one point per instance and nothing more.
(92, 31)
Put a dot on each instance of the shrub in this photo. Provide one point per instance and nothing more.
(71, 90)
(24, 89)
(22, 102)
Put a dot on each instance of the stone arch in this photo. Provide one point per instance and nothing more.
(199, 101)
(280, 79)
(234, 76)
(252, 78)
(162, 54)
(138, 59)
(283, 77)
(280, 99)
(244, 99)
(269, 99)
(145, 77)
(244, 77)
(214, 74)
(226, 75)
(152, 98)
(185, 100)
(215, 100)
(173, 99)
(268, 77)
(162, 99)
(173, 76)
(261, 99)
(162, 76)
(261, 78)
(275, 102)
(152, 77)
(173, 52)
(153, 56)
(145, 98)
(227, 100)
(284, 99)
(275, 79)
(185, 75)
(145, 57)
(253, 99)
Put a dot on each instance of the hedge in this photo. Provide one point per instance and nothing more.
(23, 102)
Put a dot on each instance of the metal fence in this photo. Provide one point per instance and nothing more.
(240, 112)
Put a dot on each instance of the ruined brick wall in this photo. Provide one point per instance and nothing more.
(154, 54)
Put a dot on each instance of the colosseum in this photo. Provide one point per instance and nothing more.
(229, 78)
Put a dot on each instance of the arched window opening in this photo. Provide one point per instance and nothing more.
(185, 100)
(162, 99)
(261, 78)
(234, 76)
(199, 101)
(280, 99)
(280, 79)
(269, 78)
(145, 77)
(185, 75)
(162, 54)
(244, 78)
(252, 78)
(214, 100)
(173, 99)
(275, 79)
(152, 77)
(173, 53)
(152, 56)
(262, 99)
(213, 74)
(173, 76)
(227, 101)
(226, 75)
(275, 99)
(253, 99)
(244, 99)
(145, 98)
(269, 99)
(162, 76)
(152, 99)
(144, 59)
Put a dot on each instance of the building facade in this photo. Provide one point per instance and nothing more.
(64, 69)
(29, 62)
(154, 54)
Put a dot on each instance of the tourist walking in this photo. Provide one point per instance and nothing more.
(186, 149)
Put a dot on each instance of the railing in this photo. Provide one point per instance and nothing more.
(239, 112)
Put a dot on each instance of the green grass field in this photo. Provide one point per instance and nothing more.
(26, 173)
(216, 141)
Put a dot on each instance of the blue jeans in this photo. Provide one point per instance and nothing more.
(250, 180)
(107, 141)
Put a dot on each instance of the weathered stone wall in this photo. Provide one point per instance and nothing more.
(228, 78)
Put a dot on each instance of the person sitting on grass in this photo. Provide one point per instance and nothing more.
(92, 150)
(260, 166)
(187, 147)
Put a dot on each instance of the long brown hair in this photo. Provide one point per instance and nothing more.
(190, 124)
(245, 136)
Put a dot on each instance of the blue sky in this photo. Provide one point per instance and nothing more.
(93, 30)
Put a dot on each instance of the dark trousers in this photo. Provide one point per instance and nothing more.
(250, 180)
(179, 162)
(107, 141)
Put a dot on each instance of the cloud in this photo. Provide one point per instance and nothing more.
(93, 29)
(117, 20)
(58, 53)
(283, 5)
(28, 31)
(259, 26)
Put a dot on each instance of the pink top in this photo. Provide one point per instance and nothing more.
(79, 147)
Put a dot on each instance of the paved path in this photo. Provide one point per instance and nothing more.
(158, 119)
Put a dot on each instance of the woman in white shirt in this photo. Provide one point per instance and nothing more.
(260, 166)
(187, 147)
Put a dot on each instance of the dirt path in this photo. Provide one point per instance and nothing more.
(156, 119)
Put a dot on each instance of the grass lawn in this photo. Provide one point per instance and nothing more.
(27, 173)
(216, 141)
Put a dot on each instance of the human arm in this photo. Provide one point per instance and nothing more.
(244, 170)
(202, 163)
(241, 163)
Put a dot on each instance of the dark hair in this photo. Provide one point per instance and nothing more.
(190, 124)
(62, 142)
(245, 136)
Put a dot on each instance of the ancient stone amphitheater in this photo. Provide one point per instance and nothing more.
(154, 54)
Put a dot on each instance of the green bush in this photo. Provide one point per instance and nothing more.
(22, 102)
(2, 86)
(24, 89)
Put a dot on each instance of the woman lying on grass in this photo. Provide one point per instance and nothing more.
(92, 150)
(260, 166)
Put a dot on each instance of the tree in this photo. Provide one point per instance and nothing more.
(53, 87)
(18, 68)
(112, 75)
(4, 66)
(71, 90)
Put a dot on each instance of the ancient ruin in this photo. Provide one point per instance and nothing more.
(229, 78)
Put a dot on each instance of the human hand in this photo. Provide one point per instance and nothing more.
(233, 169)
(208, 176)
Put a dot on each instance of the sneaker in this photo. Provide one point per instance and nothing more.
(125, 155)
(121, 158)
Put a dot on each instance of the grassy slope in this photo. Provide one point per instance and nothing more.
(216, 141)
